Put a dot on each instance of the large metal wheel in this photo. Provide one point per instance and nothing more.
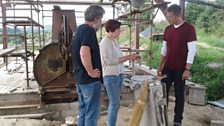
(50, 68)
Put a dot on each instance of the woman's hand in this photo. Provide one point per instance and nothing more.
(134, 56)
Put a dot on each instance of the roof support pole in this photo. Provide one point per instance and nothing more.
(182, 5)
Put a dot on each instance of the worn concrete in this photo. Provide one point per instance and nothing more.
(217, 123)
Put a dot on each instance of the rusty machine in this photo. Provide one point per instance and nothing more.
(53, 65)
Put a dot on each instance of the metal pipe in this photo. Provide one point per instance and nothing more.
(14, 17)
(26, 57)
(113, 6)
(38, 16)
(182, 5)
(163, 9)
(43, 26)
(151, 39)
(22, 9)
(32, 32)
(14, 14)
(52, 2)
(137, 30)
(4, 39)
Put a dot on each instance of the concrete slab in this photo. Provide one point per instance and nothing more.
(217, 123)
(15, 82)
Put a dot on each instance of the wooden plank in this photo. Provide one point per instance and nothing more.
(19, 106)
(32, 116)
(152, 72)
(19, 102)
(6, 51)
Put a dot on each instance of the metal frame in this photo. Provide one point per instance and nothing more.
(55, 2)
(37, 5)
(20, 21)
(160, 4)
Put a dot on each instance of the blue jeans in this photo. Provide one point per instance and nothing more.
(89, 103)
(113, 86)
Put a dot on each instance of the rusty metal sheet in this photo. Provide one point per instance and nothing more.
(57, 21)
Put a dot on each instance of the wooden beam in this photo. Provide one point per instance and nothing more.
(6, 51)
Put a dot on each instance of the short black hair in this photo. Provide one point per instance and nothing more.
(111, 25)
(175, 9)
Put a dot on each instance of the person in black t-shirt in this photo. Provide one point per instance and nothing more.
(87, 66)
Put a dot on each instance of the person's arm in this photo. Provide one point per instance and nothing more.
(162, 58)
(87, 62)
(133, 56)
(190, 59)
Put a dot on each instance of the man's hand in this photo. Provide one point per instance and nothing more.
(160, 66)
(94, 73)
(159, 72)
(186, 75)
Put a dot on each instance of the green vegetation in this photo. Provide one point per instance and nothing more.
(210, 33)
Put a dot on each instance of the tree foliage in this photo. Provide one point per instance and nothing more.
(207, 18)
(211, 21)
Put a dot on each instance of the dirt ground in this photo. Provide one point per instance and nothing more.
(194, 115)
(28, 122)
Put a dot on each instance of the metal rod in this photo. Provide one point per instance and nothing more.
(162, 8)
(47, 16)
(182, 5)
(137, 26)
(113, 6)
(14, 17)
(26, 58)
(22, 9)
(43, 26)
(14, 14)
(53, 2)
(38, 16)
(4, 39)
(151, 40)
(32, 35)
